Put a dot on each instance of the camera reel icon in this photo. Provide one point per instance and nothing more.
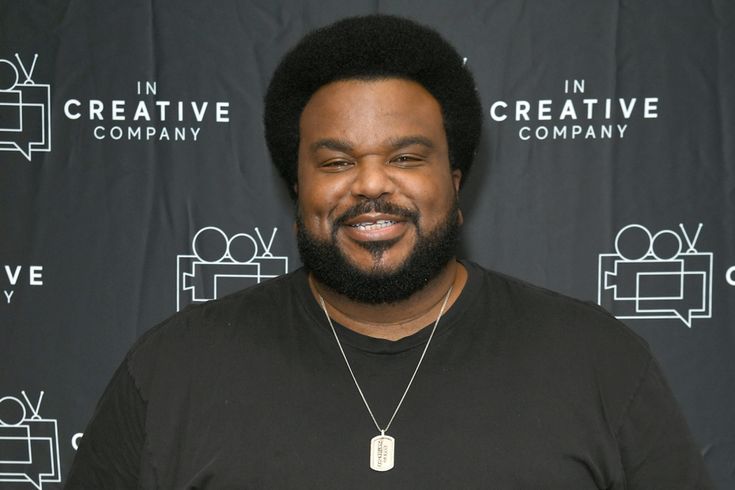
(220, 265)
(25, 109)
(654, 276)
(29, 444)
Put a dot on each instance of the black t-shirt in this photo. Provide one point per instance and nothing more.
(521, 388)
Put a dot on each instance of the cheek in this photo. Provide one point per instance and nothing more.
(320, 196)
(434, 198)
(315, 210)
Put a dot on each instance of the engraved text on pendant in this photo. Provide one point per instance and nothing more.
(382, 452)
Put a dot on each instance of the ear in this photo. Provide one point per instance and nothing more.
(456, 179)
(456, 182)
(296, 188)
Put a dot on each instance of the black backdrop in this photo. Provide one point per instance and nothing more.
(134, 180)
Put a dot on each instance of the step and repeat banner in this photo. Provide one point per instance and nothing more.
(135, 180)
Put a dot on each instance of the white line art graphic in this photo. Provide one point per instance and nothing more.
(219, 265)
(25, 109)
(29, 445)
(660, 276)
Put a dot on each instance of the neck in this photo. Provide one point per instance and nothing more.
(393, 321)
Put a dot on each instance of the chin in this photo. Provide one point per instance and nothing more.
(379, 271)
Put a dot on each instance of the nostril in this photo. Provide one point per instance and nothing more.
(372, 181)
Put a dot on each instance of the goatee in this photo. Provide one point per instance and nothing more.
(431, 253)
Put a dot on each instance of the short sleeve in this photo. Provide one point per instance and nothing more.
(109, 454)
(656, 447)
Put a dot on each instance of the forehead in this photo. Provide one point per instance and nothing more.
(371, 112)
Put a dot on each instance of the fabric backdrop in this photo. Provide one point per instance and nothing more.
(134, 180)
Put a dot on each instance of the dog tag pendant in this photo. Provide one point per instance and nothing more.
(382, 451)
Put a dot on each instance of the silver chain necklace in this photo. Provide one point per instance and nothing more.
(383, 447)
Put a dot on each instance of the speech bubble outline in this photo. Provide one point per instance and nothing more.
(686, 314)
(48, 445)
(42, 102)
(696, 263)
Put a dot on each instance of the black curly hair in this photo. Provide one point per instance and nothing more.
(371, 48)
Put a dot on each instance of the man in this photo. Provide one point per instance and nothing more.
(385, 361)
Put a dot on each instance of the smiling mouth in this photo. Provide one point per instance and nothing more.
(373, 225)
(375, 228)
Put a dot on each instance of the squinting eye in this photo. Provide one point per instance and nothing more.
(336, 164)
(406, 160)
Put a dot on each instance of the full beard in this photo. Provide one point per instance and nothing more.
(430, 255)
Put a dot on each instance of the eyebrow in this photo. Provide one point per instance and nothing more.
(331, 144)
(398, 143)
(394, 143)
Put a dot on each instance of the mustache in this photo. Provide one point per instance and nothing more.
(377, 206)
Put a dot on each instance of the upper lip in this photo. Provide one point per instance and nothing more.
(373, 218)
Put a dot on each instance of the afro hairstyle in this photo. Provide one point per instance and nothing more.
(372, 47)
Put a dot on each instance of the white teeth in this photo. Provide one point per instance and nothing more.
(382, 223)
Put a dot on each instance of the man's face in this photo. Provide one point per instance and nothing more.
(376, 193)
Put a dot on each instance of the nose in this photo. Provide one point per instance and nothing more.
(372, 179)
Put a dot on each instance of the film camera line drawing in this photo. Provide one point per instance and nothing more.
(219, 265)
(660, 276)
(29, 444)
(25, 109)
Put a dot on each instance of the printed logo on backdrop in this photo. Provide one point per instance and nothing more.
(659, 276)
(13, 276)
(576, 115)
(149, 118)
(218, 265)
(29, 443)
(25, 108)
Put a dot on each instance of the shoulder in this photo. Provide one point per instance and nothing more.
(204, 331)
(548, 325)
(253, 302)
(573, 347)
(550, 312)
